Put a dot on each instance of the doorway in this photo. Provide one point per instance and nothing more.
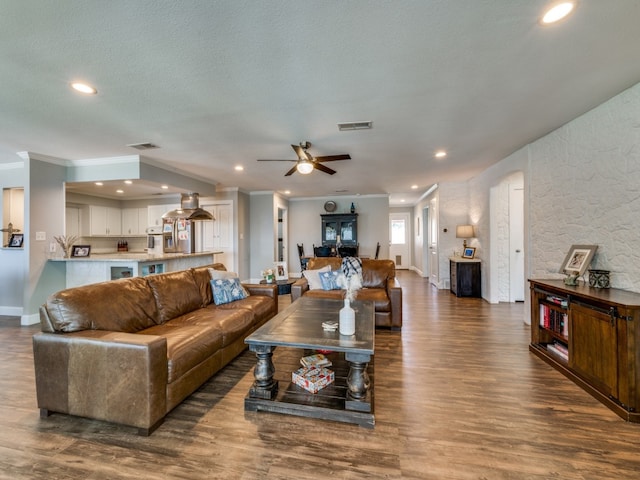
(507, 278)
(399, 234)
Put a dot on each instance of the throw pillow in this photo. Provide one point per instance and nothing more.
(226, 290)
(313, 277)
(332, 280)
(223, 274)
(352, 266)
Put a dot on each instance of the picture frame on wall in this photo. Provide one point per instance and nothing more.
(578, 259)
(16, 240)
(80, 250)
(281, 270)
(469, 252)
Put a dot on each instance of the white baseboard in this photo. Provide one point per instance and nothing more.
(11, 311)
(30, 319)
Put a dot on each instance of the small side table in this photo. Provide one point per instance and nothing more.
(465, 277)
(284, 286)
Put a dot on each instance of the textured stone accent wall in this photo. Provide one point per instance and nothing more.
(585, 189)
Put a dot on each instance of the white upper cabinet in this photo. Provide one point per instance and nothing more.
(134, 221)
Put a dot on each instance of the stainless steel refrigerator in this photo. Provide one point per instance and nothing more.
(178, 235)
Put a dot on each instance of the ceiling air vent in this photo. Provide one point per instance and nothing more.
(143, 146)
(354, 126)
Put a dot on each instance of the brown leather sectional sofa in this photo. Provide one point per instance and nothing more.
(379, 285)
(128, 351)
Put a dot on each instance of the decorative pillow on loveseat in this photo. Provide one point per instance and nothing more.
(331, 280)
(313, 277)
(227, 290)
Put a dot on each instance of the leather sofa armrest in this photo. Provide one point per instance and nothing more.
(298, 288)
(394, 291)
(264, 290)
(113, 376)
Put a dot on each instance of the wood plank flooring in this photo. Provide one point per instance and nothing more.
(458, 396)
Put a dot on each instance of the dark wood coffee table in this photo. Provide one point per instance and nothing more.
(299, 327)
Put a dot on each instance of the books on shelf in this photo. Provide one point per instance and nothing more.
(563, 302)
(316, 360)
(559, 349)
(555, 320)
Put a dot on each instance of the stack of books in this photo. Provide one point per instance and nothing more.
(314, 375)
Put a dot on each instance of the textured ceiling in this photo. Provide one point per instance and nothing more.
(222, 83)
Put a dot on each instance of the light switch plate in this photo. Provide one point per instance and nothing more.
(41, 236)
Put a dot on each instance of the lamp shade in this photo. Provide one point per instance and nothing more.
(465, 231)
(305, 167)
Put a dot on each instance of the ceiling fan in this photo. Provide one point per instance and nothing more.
(307, 163)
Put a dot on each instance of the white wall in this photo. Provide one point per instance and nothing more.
(305, 225)
(585, 189)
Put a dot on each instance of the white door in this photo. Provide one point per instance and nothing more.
(433, 244)
(516, 244)
(399, 235)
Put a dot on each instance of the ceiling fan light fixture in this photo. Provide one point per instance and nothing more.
(304, 167)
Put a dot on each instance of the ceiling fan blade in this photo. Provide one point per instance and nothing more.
(292, 171)
(275, 160)
(324, 169)
(332, 158)
(299, 152)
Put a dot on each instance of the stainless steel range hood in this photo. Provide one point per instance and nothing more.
(189, 209)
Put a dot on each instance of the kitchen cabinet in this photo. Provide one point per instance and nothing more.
(217, 235)
(134, 221)
(155, 212)
(72, 222)
(98, 220)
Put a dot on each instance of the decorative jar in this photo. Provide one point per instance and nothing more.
(599, 278)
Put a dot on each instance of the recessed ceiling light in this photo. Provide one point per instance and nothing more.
(414, 186)
(287, 192)
(165, 187)
(119, 191)
(440, 154)
(99, 184)
(83, 88)
(128, 182)
(557, 12)
(402, 201)
(239, 168)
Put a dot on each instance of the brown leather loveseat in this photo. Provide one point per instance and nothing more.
(379, 284)
(128, 351)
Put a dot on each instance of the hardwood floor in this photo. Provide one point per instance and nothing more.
(457, 396)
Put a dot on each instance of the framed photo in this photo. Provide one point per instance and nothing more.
(80, 250)
(16, 240)
(578, 259)
(281, 270)
(469, 252)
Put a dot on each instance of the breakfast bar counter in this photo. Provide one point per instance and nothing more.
(101, 267)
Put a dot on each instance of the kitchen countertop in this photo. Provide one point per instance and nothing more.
(131, 257)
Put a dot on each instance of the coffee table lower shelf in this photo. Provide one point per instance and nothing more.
(330, 403)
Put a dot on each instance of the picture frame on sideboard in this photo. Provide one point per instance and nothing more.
(469, 252)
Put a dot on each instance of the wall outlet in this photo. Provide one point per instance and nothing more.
(52, 247)
(41, 236)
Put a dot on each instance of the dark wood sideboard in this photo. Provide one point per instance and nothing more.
(591, 336)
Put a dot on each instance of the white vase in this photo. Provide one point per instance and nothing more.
(347, 319)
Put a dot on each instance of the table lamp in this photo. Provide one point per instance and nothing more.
(465, 231)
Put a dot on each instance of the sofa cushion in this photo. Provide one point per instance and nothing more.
(376, 273)
(259, 305)
(187, 345)
(226, 290)
(176, 293)
(313, 277)
(379, 296)
(125, 305)
(233, 321)
(202, 278)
